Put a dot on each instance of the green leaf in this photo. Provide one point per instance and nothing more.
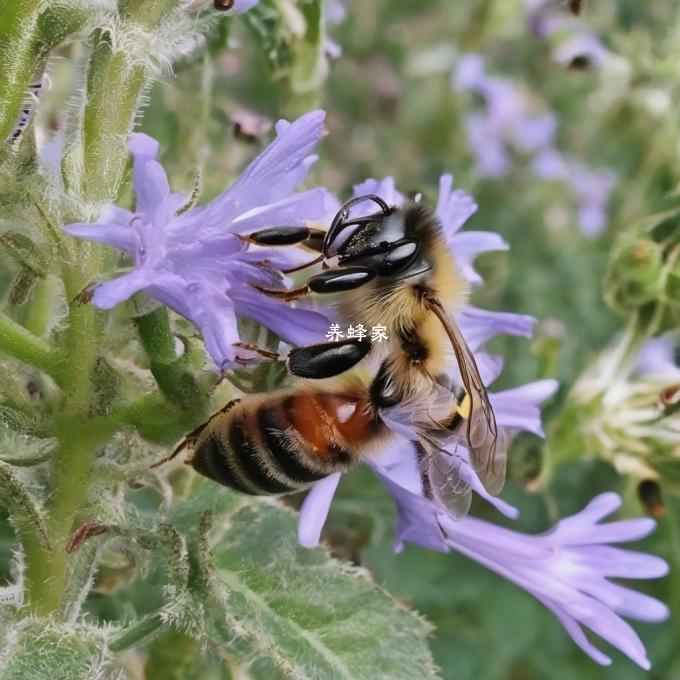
(21, 507)
(36, 649)
(296, 612)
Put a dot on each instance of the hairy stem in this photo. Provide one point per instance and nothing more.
(18, 21)
(17, 342)
(98, 157)
(173, 377)
(28, 32)
(136, 633)
(46, 573)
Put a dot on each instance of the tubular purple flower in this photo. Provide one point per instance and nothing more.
(567, 568)
(194, 261)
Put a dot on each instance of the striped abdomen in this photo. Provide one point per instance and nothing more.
(285, 441)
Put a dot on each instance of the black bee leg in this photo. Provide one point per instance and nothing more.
(340, 279)
(331, 281)
(309, 237)
(311, 263)
(327, 359)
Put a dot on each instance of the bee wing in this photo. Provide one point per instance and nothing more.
(449, 479)
(487, 446)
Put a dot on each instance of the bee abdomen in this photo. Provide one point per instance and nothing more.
(286, 448)
(232, 455)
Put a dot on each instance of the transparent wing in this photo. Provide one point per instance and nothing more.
(487, 446)
(448, 479)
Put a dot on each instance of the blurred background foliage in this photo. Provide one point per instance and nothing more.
(392, 111)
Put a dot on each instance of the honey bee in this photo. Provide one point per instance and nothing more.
(395, 269)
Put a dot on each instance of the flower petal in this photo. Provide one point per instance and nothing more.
(314, 510)
(518, 408)
(480, 325)
(417, 520)
(467, 245)
(576, 633)
(152, 191)
(298, 209)
(383, 188)
(143, 147)
(454, 208)
(109, 234)
(108, 295)
(273, 175)
(292, 324)
(629, 564)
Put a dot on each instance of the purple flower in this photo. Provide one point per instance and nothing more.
(241, 6)
(657, 358)
(334, 12)
(194, 262)
(508, 121)
(575, 43)
(567, 569)
(590, 188)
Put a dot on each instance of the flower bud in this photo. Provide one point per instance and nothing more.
(635, 275)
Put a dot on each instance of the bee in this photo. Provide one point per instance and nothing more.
(391, 267)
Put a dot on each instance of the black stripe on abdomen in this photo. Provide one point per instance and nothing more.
(273, 423)
(254, 463)
(214, 460)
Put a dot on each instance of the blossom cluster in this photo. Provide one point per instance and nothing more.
(513, 122)
(197, 262)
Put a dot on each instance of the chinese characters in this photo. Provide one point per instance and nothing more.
(378, 332)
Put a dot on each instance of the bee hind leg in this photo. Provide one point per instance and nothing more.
(190, 439)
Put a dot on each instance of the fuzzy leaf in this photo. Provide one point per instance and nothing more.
(40, 649)
(21, 507)
(286, 610)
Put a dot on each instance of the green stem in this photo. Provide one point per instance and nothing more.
(17, 342)
(172, 375)
(18, 21)
(78, 441)
(136, 633)
(42, 302)
(28, 32)
(46, 570)
(98, 159)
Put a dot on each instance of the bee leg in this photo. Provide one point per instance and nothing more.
(327, 359)
(333, 280)
(423, 467)
(285, 295)
(288, 236)
(264, 353)
(190, 440)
